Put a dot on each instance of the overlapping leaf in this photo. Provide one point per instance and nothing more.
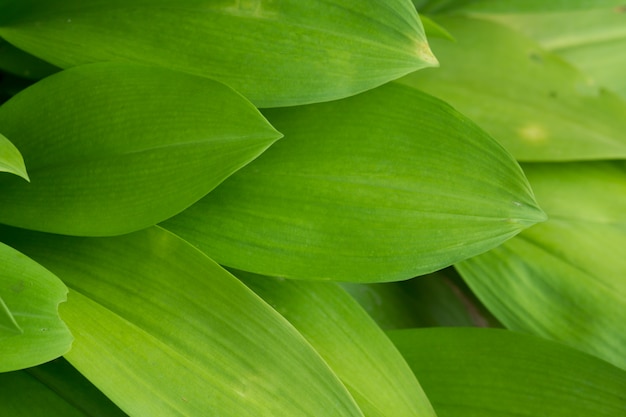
(274, 52)
(11, 159)
(54, 389)
(538, 106)
(591, 36)
(31, 331)
(162, 330)
(382, 186)
(497, 373)
(564, 279)
(351, 343)
(113, 148)
(22, 64)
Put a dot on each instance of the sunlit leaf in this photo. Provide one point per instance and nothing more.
(31, 331)
(382, 186)
(163, 330)
(564, 279)
(274, 52)
(534, 103)
(497, 373)
(54, 389)
(350, 341)
(10, 159)
(113, 148)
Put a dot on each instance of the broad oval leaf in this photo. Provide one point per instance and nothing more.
(114, 148)
(31, 331)
(382, 186)
(54, 389)
(163, 330)
(538, 106)
(564, 279)
(352, 344)
(498, 373)
(11, 159)
(276, 53)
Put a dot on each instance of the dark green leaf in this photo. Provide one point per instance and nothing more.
(113, 148)
(276, 53)
(382, 186)
(22, 64)
(54, 389)
(496, 373)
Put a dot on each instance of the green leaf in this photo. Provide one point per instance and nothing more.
(275, 53)
(54, 389)
(382, 186)
(18, 62)
(31, 331)
(538, 106)
(350, 341)
(592, 37)
(497, 373)
(114, 148)
(11, 160)
(163, 330)
(564, 279)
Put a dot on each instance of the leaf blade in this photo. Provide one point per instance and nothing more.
(294, 52)
(11, 160)
(114, 148)
(350, 199)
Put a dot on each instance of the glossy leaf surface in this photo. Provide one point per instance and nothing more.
(31, 331)
(497, 373)
(564, 279)
(534, 103)
(350, 341)
(163, 330)
(112, 148)
(10, 159)
(276, 53)
(382, 186)
(54, 389)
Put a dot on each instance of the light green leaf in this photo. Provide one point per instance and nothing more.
(382, 186)
(350, 341)
(564, 279)
(276, 53)
(163, 330)
(11, 160)
(592, 38)
(538, 106)
(497, 373)
(20, 63)
(54, 389)
(31, 331)
(114, 148)
(433, 29)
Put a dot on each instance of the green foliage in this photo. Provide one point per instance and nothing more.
(135, 166)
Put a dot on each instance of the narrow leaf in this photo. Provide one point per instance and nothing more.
(350, 341)
(31, 331)
(11, 160)
(54, 389)
(163, 330)
(382, 186)
(564, 279)
(275, 53)
(113, 148)
(534, 103)
(497, 373)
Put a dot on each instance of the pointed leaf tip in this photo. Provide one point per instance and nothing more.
(11, 160)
